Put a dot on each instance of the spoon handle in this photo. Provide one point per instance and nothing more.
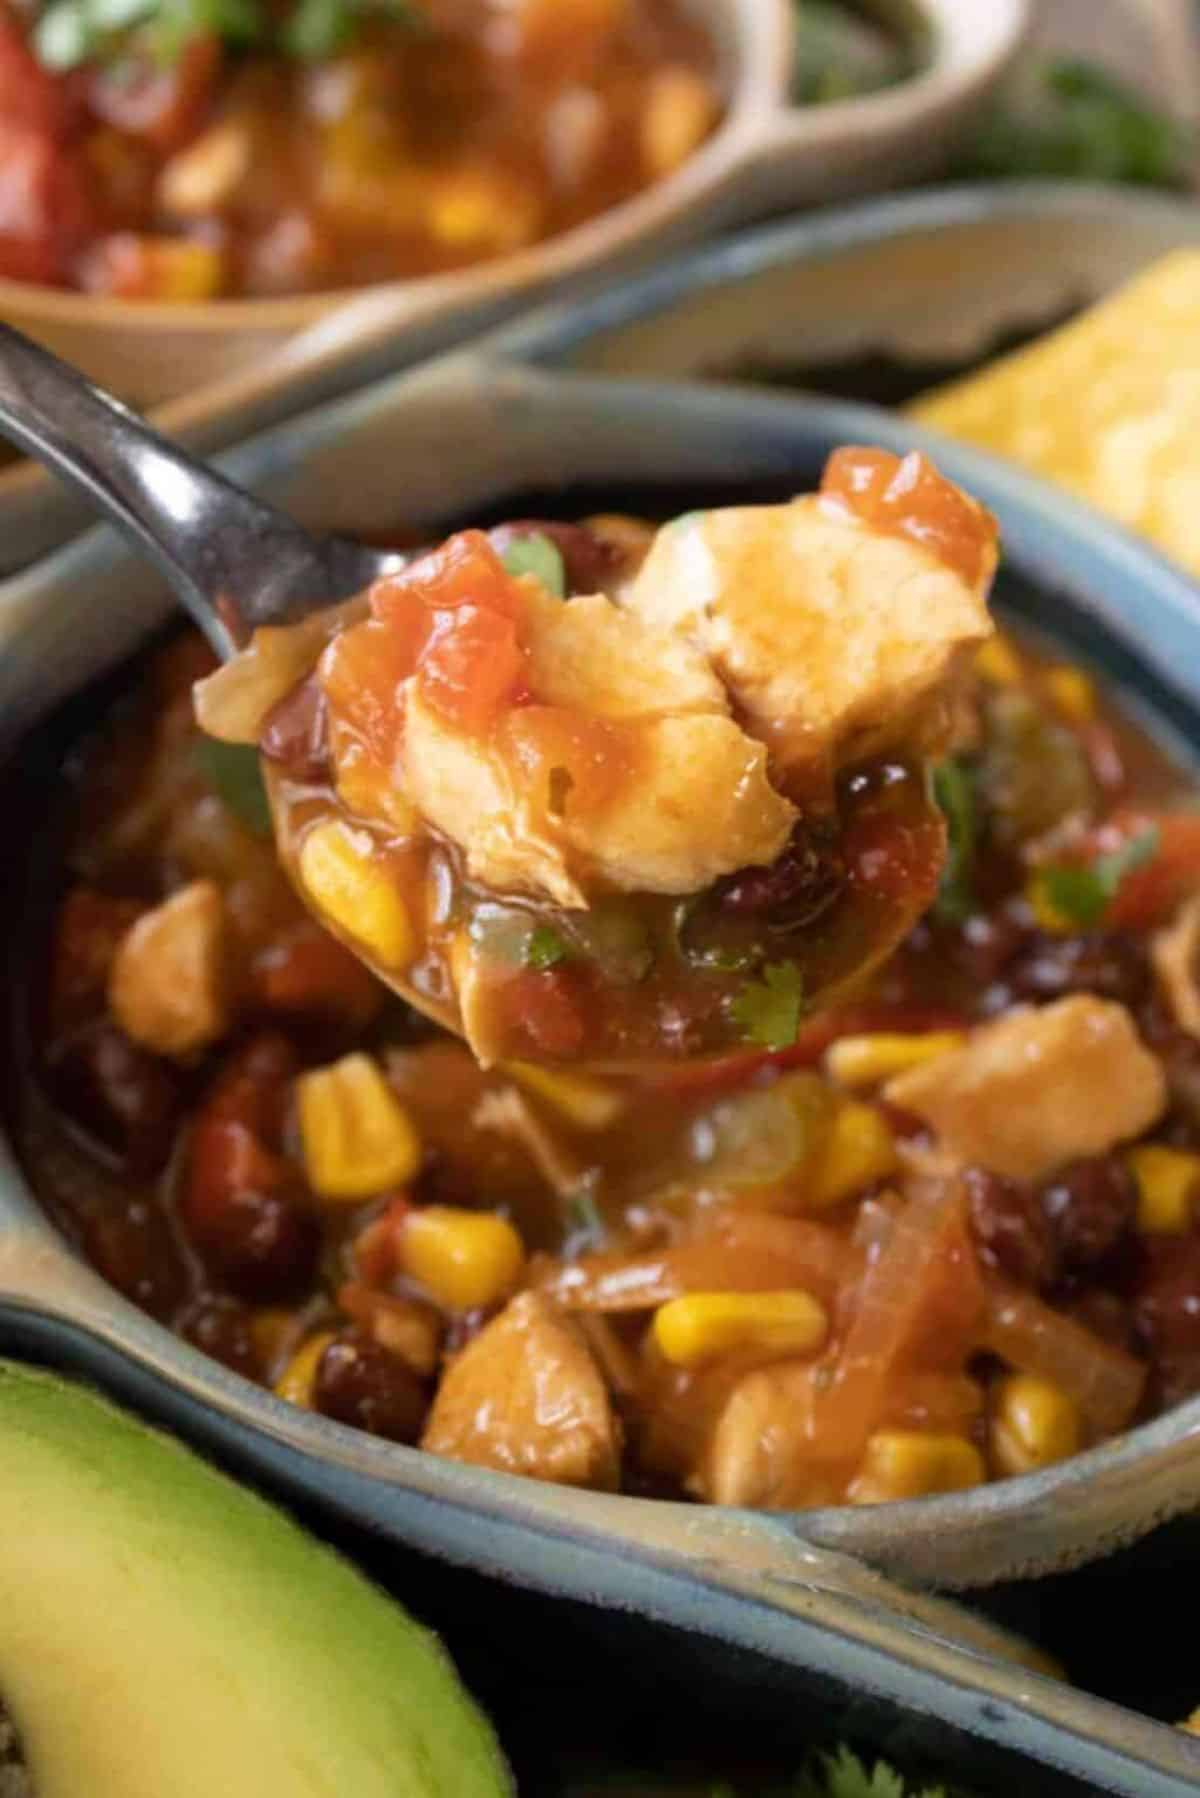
(232, 561)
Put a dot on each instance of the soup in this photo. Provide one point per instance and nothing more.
(910, 1252)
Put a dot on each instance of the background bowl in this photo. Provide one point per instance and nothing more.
(211, 372)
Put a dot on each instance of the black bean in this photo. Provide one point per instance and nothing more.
(120, 1093)
(1010, 1229)
(132, 1247)
(360, 1383)
(1051, 967)
(1090, 1209)
(223, 1330)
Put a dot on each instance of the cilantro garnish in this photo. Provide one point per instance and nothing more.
(545, 949)
(232, 771)
(768, 1011)
(954, 791)
(1082, 895)
(539, 556)
(70, 32)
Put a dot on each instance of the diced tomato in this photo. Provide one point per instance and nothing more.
(592, 758)
(43, 205)
(31, 97)
(308, 972)
(473, 667)
(1147, 895)
(377, 1247)
(363, 673)
(163, 105)
(909, 498)
(464, 571)
(547, 1009)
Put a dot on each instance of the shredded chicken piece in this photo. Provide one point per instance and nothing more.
(699, 805)
(525, 1396)
(834, 639)
(168, 987)
(756, 1455)
(1175, 955)
(1039, 1087)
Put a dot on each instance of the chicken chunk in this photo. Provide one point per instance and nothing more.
(760, 1453)
(168, 987)
(1175, 954)
(527, 1397)
(835, 640)
(1039, 1088)
(698, 803)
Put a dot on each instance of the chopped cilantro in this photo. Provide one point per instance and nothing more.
(541, 557)
(955, 793)
(1082, 895)
(768, 1011)
(1075, 119)
(584, 1220)
(70, 32)
(843, 1775)
(545, 949)
(232, 771)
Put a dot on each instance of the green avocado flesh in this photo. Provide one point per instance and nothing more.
(165, 1634)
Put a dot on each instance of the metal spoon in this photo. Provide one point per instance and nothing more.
(233, 562)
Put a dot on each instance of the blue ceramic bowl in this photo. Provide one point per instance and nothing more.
(500, 422)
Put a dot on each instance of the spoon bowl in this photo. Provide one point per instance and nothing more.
(241, 567)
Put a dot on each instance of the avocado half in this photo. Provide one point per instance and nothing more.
(166, 1634)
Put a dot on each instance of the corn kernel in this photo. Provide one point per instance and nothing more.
(680, 110)
(858, 1151)
(702, 1326)
(1167, 1182)
(861, 1061)
(589, 1104)
(998, 663)
(357, 1137)
(339, 874)
(1073, 692)
(464, 1259)
(1034, 1423)
(482, 208)
(298, 1378)
(183, 271)
(910, 1464)
(1046, 914)
(1192, 1723)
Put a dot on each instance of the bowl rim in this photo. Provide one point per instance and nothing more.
(955, 68)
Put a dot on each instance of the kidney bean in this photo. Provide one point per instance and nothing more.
(255, 1086)
(1110, 966)
(801, 884)
(1010, 1229)
(1090, 1209)
(246, 1213)
(360, 1383)
(120, 1093)
(88, 933)
(131, 1247)
(222, 1329)
(295, 732)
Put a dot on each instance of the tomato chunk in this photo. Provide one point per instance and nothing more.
(909, 498)
(473, 667)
